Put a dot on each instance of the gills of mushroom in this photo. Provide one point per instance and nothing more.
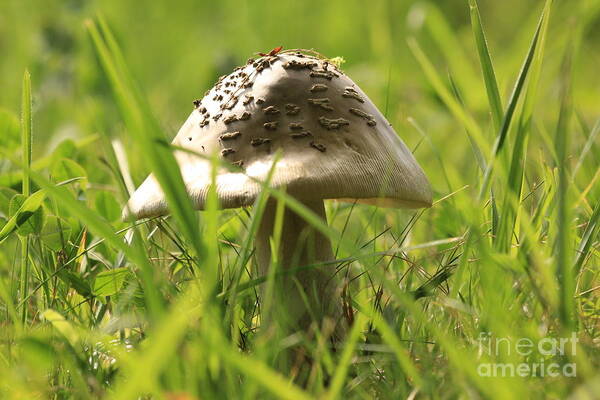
(335, 144)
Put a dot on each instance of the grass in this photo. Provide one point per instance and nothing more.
(94, 307)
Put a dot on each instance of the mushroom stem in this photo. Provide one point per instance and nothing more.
(300, 245)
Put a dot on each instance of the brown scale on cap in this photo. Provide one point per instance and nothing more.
(248, 99)
(260, 141)
(260, 100)
(332, 124)
(318, 87)
(238, 163)
(226, 152)
(323, 103)
(197, 103)
(318, 146)
(271, 110)
(295, 126)
(350, 92)
(230, 119)
(230, 104)
(230, 135)
(264, 63)
(204, 122)
(271, 125)
(245, 116)
(322, 74)
(292, 109)
(300, 135)
(362, 114)
(216, 117)
(295, 64)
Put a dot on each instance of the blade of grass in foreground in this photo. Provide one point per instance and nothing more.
(247, 248)
(146, 132)
(510, 109)
(564, 265)
(487, 68)
(26, 131)
(141, 369)
(592, 138)
(26, 186)
(587, 238)
(512, 194)
(493, 95)
(341, 370)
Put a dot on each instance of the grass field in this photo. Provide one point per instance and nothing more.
(493, 292)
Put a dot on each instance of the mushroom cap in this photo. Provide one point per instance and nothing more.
(335, 143)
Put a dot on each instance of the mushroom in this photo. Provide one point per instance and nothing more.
(335, 144)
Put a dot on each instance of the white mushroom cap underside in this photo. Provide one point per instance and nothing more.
(335, 144)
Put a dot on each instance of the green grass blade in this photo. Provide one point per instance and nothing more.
(341, 370)
(487, 68)
(11, 309)
(587, 239)
(517, 90)
(165, 339)
(26, 122)
(510, 109)
(512, 195)
(589, 144)
(31, 204)
(564, 266)
(147, 133)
